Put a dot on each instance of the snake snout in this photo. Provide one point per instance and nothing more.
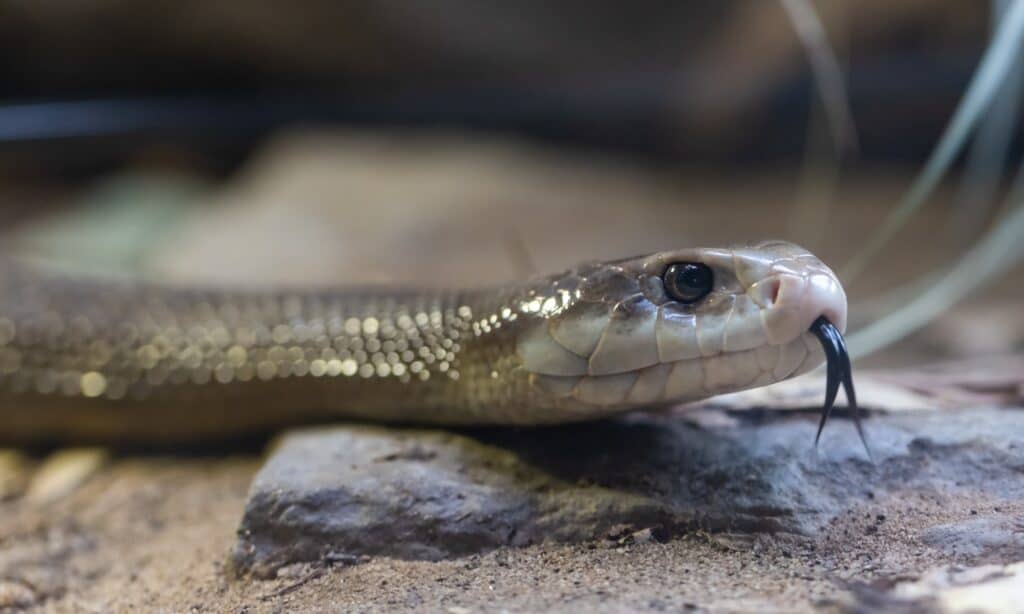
(792, 302)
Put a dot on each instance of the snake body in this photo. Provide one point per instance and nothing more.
(83, 358)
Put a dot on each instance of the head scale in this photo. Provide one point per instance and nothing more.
(677, 326)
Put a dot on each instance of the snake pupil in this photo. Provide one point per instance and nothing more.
(688, 282)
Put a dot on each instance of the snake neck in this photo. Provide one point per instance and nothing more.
(422, 356)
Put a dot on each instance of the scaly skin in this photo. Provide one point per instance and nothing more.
(88, 360)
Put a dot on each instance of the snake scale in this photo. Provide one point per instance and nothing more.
(98, 359)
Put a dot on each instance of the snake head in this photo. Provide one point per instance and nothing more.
(677, 326)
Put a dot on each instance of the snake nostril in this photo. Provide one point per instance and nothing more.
(766, 292)
(774, 287)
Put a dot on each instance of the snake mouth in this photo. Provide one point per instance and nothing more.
(839, 371)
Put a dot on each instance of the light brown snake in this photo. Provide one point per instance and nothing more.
(90, 359)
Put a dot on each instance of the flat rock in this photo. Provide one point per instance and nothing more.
(993, 538)
(984, 589)
(343, 493)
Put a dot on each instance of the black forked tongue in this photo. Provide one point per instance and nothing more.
(839, 371)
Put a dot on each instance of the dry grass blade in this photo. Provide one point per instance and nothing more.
(986, 83)
(828, 76)
(986, 159)
(998, 251)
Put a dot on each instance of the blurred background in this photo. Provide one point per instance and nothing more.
(457, 142)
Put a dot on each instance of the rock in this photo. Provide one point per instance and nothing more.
(63, 472)
(15, 595)
(344, 492)
(14, 474)
(996, 538)
(341, 492)
(987, 589)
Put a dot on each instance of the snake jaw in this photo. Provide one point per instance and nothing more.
(839, 372)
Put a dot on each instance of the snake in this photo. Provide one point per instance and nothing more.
(91, 358)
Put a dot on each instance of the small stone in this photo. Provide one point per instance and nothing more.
(980, 537)
(295, 570)
(15, 595)
(646, 536)
(63, 472)
(14, 474)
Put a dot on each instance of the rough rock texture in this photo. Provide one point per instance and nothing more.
(341, 493)
(956, 589)
(993, 538)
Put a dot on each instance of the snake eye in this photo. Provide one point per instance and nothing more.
(688, 282)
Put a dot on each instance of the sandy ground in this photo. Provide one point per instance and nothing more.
(153, 533)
